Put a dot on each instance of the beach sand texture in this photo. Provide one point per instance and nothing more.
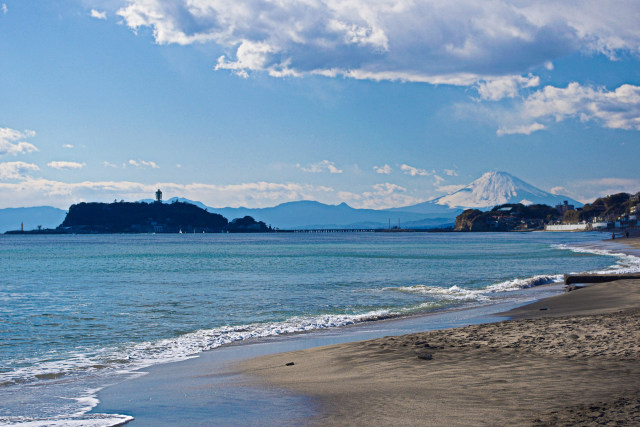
(575, 362)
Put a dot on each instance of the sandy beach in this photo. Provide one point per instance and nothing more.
(572, 359)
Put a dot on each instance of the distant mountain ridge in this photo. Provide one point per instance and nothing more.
(308, 214)
(491, 189)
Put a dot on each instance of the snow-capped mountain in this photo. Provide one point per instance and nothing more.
(497, 188)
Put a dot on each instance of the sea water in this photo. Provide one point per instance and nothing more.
(80, 312)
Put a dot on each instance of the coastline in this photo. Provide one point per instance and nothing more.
(568, 359)
(211, 387)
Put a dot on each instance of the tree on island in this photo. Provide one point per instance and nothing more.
(247, 225)
(505, 217)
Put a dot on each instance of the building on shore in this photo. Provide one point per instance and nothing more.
(582, 226)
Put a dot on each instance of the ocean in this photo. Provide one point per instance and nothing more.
(79, 312)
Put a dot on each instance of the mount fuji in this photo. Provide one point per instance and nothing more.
(498, 188)
(491, 189)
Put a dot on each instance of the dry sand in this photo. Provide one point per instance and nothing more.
(576, 362)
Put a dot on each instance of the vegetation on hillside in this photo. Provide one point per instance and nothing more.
(519, 217)
(247, 225)
(123, 217)
(505, 217)
(609, 207)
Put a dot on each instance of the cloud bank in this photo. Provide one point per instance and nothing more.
(454, 42)
(492, 46)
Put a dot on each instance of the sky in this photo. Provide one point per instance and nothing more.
(376, 103)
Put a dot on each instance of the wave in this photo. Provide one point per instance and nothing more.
(124, 361)
(625, 263)
(140, 355)
(456, 293)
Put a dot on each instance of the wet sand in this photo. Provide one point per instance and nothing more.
(573, 359)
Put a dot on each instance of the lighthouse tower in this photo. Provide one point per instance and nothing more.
(158, 196)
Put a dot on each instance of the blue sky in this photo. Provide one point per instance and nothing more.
(375, 103)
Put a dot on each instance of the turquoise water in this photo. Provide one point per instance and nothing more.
(79, 312)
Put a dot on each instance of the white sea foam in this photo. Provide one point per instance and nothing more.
(625, 263)
(83, 420)
(140, 355)
(453, 293)
(525, 283)
(480, 295)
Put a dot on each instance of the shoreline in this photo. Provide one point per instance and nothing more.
(217, 372)
(520, 371)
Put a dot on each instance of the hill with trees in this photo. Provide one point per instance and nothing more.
(506, 217)
(607, 208)
(125, 217)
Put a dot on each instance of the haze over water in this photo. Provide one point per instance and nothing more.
(79, 312)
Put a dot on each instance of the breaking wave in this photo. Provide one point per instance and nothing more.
(625, 263)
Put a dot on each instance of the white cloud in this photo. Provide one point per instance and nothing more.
(67, 146)
(618, 109)
(438, 180)
(454, 42)
(410, 170)
(522, 129)
(451, 172)
(4, 8)
(143, 163)
(385, 195)
(505, 87)
(559, 190)
(615, 109)
(323, 166)
(16, 170)
(10, 141)
(65, 165)
(109, 165)
(98, 14)
(563, 191)
(386, 169)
